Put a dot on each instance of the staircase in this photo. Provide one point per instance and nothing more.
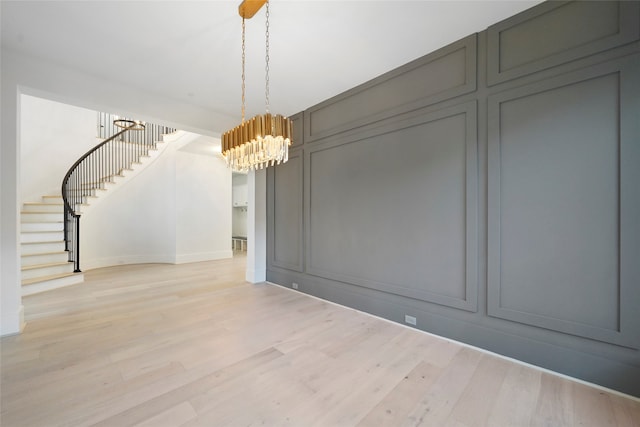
(128, 142)
(44, 262)
(50, 248)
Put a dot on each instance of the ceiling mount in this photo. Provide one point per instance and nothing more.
(248, 8)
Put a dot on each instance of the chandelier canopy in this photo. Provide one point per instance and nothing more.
(263, 140)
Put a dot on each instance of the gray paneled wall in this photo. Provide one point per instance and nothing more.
(407, 201)
(490, 189)
(555, 204)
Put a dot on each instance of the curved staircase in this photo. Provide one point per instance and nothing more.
(44, 262)
(49, 247)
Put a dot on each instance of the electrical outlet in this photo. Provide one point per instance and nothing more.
(410, 320)
(294, 285)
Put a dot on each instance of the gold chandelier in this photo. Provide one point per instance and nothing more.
(263, 140)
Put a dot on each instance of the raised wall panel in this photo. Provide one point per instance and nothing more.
(396, 210)
(444, 74)
(557, 32)
(557, 199)
(287, 240)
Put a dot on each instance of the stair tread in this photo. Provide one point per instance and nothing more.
(47, 278)
(40, 243)
(43, 204)
(39, 212)
(52, 264)
(44, 253)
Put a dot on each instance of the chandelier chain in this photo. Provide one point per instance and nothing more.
(263, 140)
(243, 75)
(266, 90)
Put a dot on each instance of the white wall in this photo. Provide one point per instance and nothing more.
(38, 77)
(11, 309)
(256, 271)
(174, 211)
(53, 136)
(135, 223)
(203, 196)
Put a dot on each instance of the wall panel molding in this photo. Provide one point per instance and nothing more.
(285, 234)
(370, 252)
(560, 203)
(540, 38)
(441, 75)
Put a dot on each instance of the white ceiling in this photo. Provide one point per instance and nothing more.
(189, 51)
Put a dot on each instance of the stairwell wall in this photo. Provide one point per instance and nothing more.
(203, 198)
(181, 212)
(136, 223)
(53, 135)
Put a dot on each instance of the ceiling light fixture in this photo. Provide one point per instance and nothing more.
(263, 140)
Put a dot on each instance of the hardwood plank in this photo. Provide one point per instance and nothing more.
(196, 345)
(394, 409)
(385, 369)
(147, 409)
(555, 402)
(474, 406)
(517, 397)
(437, 403)
(592, 407)
(626, 411)
(175, 416)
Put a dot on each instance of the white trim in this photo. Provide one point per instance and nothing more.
(255, 276)
(482, 350)
(203, 256)
(256, 270)
(9, 325)
(155, 259)
(127, 259)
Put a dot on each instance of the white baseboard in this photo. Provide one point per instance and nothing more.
(155, 259)
(12, 322)
(203, 256)
(126, 259)
(256, 276)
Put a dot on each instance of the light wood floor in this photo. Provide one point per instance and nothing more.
(194, 345)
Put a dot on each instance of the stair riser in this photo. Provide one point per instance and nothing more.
(38, 248)
(80, 196)
(45, 236)
(42, 226)
(52, 284)
(57, 199)
(78, 191)
(41, 217)
(48, 207)
(46, 258)
(47, 271)
(91, 186)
